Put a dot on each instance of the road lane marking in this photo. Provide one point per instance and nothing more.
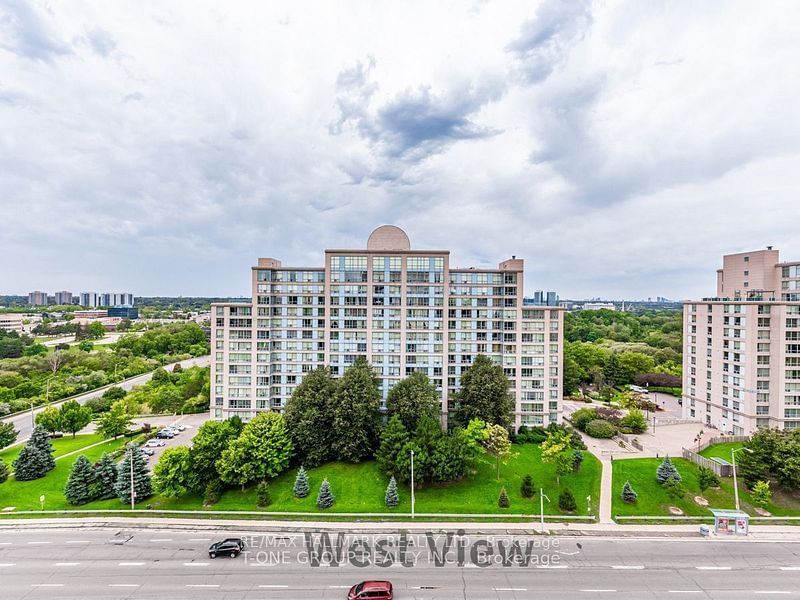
(790, 568)
(8, 564)
(39, 543)
(130, 564)
(199, 539)
(5, 543)
(627, 567)
(771, 592)
(709, 568)
(161, 540)
(684, 591)
(202, 585)
(273, 586)
(66, 564)
(510, 589)
(47, 585)
(195, 564)
(595, 591)
(123, 585)
(79, 542)
(551, 566)
(340, 587)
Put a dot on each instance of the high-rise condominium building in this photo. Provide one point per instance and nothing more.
(63, 298)
(37, 298)
(741, 359)
(94, 300)
(404, 310)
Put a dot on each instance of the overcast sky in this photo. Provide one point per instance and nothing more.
(619, 147)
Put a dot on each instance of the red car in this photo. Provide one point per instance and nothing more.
(374, 590)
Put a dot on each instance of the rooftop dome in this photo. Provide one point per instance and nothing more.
(388, 237)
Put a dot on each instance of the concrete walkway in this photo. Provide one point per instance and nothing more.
(606, 492)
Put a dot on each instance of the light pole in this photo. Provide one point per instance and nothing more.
(733, 462)
(412, 484)
(133, 493)
(541, 507)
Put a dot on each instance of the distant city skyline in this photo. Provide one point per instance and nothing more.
(620, 150)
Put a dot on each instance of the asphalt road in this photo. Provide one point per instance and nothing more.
(23, 422)
(174, 564)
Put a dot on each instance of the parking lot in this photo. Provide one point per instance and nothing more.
(184, 438)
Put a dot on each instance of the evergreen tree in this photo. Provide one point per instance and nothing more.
(412, 398)
(105, 478)
(80, 487)
(706, 478)
(628, 493)
(4, 471)
(484, 394)
(394, 437)
(309, 417)
(613, 371)
(526, 489)
(666, 471)
(36, 458)
(142, 486)
(391, 497)
(503, 501)
(301, 488)
(8, 435)
(325, 497)
(41, 439)
(213, 492)
(356, 413)
(762, 495)
(566, 501)
(263, 496)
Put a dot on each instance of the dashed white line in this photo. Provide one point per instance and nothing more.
(79, 541)
(790, 568)
(199, 539)
(628, 567)
(339, 587)
(771, 592)
(195, 564)
(273, 586)
(202, 585)
(711, 568)
(510, 589)
(161, 540)
(684, 591)
(552, 566)
(5, 543)
(66, 564)
(33, 543)
(47, 585)
(130, 564)
(597, 591)
(8, 564)
(123, 585)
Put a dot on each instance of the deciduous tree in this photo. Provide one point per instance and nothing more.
(412, 398)
(484, 394)
(172, 472)
(356, 413)
(115, 422)
(309, 417)
(261, 451)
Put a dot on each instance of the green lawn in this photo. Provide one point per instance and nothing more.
(361, 488)
(722, 451)
(25, 494)
(653, 500)
(61, 446)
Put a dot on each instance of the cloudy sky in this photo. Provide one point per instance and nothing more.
(619, 147)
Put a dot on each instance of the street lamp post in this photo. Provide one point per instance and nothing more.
(412, 484)
(133, 493)
(733, 462)
(542, 498)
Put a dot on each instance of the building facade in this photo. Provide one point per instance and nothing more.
(741, 359)
(63, 298)
(404, 310)
(37, 298)
(11, 322)
(106, 299)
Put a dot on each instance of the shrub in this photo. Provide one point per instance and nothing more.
(301, 488)
(761, 493)
(582, 417)
(634, 421)
(325, 497)
(601, 429)
(674, 489)
(577, 460)
(612, 415)
(706, 478)
(628, 493)
(213, 492)
(503, 501)
(666, 471)
(391, 497)
(4, 471)
(566, 501)
(263, 496)
(526, 489)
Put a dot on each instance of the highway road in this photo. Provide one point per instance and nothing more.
(22, 422)
(110, 563)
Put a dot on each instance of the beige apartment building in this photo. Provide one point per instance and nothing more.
(404, 310)
(11, 322)
(741, 360)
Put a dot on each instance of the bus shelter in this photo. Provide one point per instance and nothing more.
(730, 522)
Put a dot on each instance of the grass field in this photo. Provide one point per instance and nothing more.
(25, 494)
(361, 488)
(722, 451)
(61, 446)
(653, 500)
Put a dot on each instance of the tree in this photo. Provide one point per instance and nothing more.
(301, 488)
(600, 428)
(582, 417)
(412, 398)
(761, 493)
(85, 346)
(105, 478)
(557, 450)
(472, 439)
(142, 484)
(8, 435)
(628, 493)
(309, 417)
(526, 489)
(394, 437)
(36, 458)
(95, 331)
(115, 422)
(666, 471)
(325, 497)
(391, 497)
(497, 444)
(55, 360)
(674, 488)
(263, 496)
(612, 372)
(172, 472)
(49, 419)
(81, 482)
(356, 413)
(213, 492)
(208, 444)
(502, 500)
(4, 471)
(706, 478)
(261, 451)
(74, 417)
(566, 501)
(634, 421)
(484, 394)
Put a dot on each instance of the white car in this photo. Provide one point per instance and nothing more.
(155, 443)
(180, 427)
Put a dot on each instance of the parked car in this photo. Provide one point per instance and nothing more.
(148, 451)
(154, 443)
(227, 547)
(372, 590)
(180, 427)
(165, 435)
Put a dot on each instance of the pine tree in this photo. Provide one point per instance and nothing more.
(526, 489)
(566, 501)
(263, 496)
(4, 471)
(666, 471)
(142, 486)
(325, 497)
(301, 488)
(394, 437)
(36, 458)
(391, 498)
(105, 478)
(80, 485)
(503, 501)
(628, 493)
